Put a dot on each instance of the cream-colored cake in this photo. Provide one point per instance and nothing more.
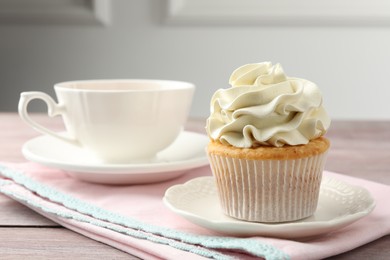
(267, 150)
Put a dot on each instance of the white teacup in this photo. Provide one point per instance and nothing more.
(118, 121)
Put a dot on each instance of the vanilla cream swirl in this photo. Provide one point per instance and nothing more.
(265, 107)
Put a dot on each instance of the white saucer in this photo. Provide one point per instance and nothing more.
(187, 152)
(340, 204)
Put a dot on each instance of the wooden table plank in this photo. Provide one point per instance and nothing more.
(53, 243)
(360, 149)
(15, 214)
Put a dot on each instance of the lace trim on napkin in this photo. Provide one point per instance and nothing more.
(76, 209)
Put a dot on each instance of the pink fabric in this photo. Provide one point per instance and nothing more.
(144, 203)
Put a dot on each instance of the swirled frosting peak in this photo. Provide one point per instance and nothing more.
(265, 107)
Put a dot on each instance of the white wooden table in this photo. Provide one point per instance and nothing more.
(360, 149)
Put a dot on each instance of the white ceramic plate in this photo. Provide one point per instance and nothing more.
(340, 204)
(187, 152)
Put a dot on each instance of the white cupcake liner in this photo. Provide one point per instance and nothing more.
(268, 190)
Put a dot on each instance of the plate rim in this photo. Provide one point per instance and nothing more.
(273, 229)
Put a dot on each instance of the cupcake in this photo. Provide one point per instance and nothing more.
(267, 147)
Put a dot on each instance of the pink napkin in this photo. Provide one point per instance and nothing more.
(134, 219)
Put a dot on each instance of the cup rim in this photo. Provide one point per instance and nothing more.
(172, 85)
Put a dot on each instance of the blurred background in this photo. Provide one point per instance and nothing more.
(343, 46)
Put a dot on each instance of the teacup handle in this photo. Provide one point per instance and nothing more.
(54, 109)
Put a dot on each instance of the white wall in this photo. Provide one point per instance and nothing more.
(351, 64)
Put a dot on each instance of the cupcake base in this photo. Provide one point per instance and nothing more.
(268, 190)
